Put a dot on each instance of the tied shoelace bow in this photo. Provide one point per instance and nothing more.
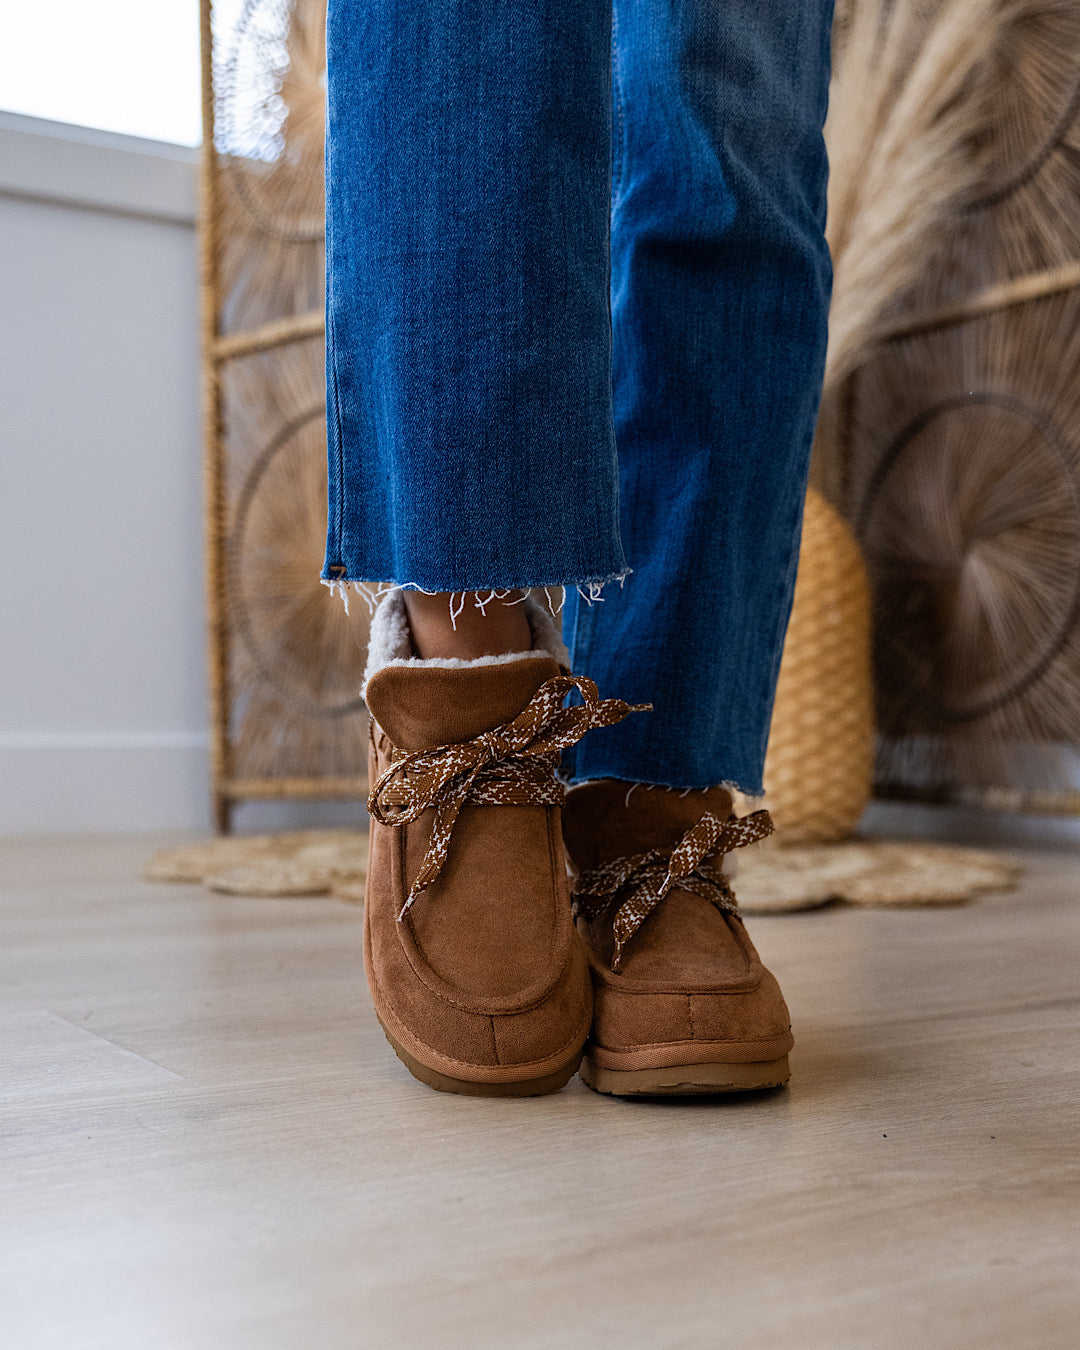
(511, 765)
(645, 878)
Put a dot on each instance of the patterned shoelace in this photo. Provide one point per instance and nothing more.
(512, 765)
(643, 879)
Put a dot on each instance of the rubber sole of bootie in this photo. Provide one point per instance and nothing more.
(686, 1080)
(526, 1087)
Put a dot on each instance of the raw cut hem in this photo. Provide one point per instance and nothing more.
(372, 590)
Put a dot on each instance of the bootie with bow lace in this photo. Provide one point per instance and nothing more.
(477, 975)
(682, 1003)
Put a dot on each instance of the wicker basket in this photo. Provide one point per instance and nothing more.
(819, 766)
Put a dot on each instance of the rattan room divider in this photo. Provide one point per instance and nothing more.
(285, 659)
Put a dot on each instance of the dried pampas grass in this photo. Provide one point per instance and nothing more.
(910, 105)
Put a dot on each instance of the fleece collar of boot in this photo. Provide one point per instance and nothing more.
(390, 643)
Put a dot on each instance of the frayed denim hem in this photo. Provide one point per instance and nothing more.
(371, 592)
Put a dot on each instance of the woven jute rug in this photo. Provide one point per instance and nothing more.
(776, 879)
(302, 862)
(771, 878)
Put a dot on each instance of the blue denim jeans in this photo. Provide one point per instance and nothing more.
(576, 319)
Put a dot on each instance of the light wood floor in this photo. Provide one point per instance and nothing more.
(207, 1145)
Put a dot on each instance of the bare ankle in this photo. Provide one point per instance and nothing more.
(500, 626)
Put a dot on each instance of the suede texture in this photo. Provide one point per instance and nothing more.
(690, 975)
(484, 979)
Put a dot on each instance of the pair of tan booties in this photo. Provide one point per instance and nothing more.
(494, 973)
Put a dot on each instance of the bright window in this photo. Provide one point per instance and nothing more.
(119, 65)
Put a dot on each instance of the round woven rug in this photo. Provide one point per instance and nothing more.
(867, 872)
(771, 879)
(302, 862)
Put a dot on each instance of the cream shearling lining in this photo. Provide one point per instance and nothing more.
(390, 643)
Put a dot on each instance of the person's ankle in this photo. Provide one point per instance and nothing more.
(455, 626)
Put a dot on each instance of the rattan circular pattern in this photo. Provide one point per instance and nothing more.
(297, 636)
(977, 584)
(1036, 91)
(269, 116)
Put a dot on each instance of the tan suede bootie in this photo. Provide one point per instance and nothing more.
(478, 977)
(682, 1003)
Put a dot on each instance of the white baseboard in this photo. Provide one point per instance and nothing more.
(58, 783)
(115, 782)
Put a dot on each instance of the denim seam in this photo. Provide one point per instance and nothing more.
(331, 358)
(339, 461)
(619, 149)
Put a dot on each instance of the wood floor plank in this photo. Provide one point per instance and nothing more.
(206, 1143)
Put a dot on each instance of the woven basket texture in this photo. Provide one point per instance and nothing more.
(819, 766)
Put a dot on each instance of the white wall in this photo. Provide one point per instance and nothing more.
(102, 709)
